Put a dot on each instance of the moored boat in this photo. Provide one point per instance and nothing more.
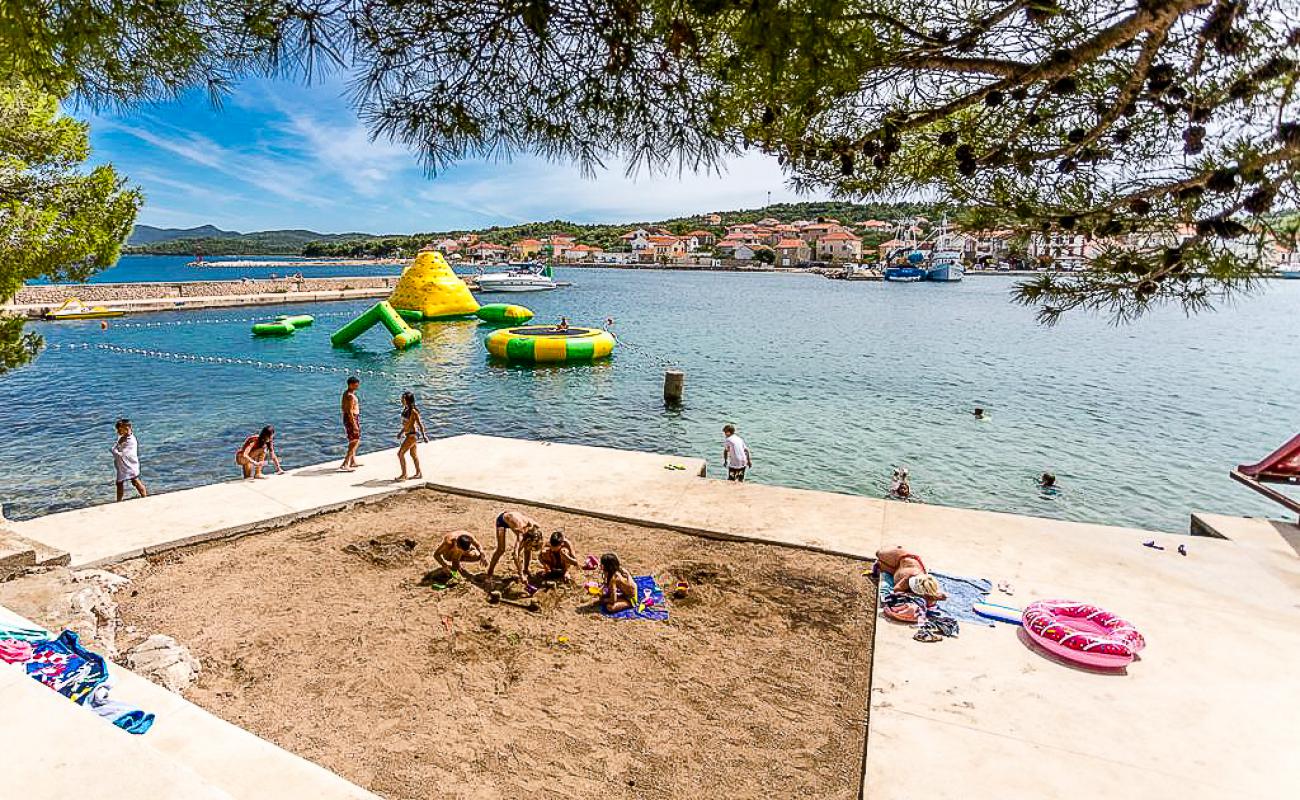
(527, 279)
(73, 308)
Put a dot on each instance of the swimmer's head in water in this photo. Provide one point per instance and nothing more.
(979, 412)
(557, 538)
(1048, 479)
(924, 585)
(609, 564)
(464, 541)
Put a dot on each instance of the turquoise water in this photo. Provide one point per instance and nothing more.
(831, 383)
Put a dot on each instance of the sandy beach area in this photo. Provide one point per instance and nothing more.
(326, 638)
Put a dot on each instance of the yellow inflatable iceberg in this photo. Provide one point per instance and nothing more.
(428, 289)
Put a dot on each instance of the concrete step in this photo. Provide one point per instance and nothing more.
(16, 554)
(55, 749)
(197, 753)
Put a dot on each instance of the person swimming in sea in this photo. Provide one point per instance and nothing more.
(979, 413)
(899, 486)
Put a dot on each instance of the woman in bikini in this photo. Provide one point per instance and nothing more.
(619, 592)
(256, 451)
(412, 433)
(909, 573)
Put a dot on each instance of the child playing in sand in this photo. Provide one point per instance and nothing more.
(909, 573)
(528, 537)
(126, 460)
(619, 591)
(456, 547)
(557, 557)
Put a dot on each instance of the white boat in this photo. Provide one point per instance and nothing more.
(945, 259)
(945, 266)
(526, 279)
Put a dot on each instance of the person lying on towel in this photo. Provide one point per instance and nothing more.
(456, 547)
(557, 557)
(909, 573)
(619, 591)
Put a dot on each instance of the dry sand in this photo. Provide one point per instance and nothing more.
(757, 687)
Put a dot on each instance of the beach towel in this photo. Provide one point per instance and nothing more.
(9, 630)
(15, 651)
(67, 667)
(128, 718)
(963, 593)
(650, 601)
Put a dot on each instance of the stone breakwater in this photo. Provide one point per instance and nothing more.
(54, 294)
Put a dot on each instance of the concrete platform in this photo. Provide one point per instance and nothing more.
(54, 748)
(140, 306)
(1208, 711)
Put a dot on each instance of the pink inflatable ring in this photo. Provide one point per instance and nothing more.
(1082, 633)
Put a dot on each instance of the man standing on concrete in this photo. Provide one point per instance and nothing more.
(351, 424)
(735, 453)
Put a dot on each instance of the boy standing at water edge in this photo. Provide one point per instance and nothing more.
(736, 454)
(351, 424)
(126, 459)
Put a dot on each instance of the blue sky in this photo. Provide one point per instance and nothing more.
(282, 155)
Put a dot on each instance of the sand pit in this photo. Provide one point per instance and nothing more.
(326, 638)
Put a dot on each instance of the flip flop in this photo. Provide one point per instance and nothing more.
(1182, 549)
(1152, 544)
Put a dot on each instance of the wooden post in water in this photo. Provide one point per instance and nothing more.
(674, 385)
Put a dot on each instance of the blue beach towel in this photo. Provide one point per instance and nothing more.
(646, 589)
(66, 666)
(963, 594)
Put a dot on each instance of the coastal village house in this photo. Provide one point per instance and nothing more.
(525, 249)
(839, 246)
(577, 252)
(790, 252)
(1061, 249)
(486, 251)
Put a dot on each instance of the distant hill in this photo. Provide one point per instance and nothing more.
(147, 234)
(213, 241)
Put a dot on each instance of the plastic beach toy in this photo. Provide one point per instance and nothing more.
(681, 589)
(1082, 633)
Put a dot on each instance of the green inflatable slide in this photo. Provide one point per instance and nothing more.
(380, 313)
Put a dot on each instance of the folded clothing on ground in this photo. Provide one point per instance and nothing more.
(649, 602)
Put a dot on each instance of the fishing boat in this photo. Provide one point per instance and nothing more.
(905, 263)
(904, 273)
(945, 260)
(530, 278)
(73, 308)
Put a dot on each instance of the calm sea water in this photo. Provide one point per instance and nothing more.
(831, 383)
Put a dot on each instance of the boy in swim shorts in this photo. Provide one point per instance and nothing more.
(456, 547)
(557, 557)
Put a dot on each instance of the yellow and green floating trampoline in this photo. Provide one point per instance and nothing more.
(545, 344)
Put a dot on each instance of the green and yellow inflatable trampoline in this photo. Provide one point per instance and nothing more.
(544, 344)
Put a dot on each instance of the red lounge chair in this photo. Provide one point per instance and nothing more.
(1281, 466)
